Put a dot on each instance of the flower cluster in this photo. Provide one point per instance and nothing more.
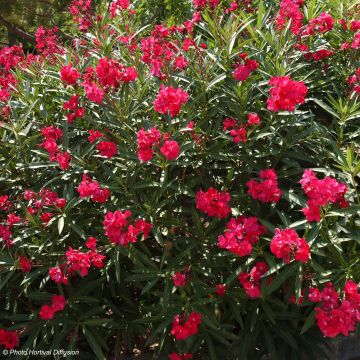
(120, 231)
(91, 188)
(73, 105)
(220, 289)
(182, 329)
(243, 71)
(80, 262)
(81, 10)
(285, 93)
(107, 148)
(251, 281)
(77, 262)
(111, 74)
(287, 245)
(321, 193)
(179, 279)
(42, 200)
(241, 234)
(9, 339)
(160, 53)
(118, 6)
(201, 4)
(169, 100)
(149, 139)
(51, 134)
(213, 203)
(266, 190)
(290, 10)
(319, 54)
(239, 132)
(47, 312)
(335, 316)
(69, 75)
(47, 42)
(322, 24)
(93, 92)
(25, 264)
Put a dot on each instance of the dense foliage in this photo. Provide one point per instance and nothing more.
(189, 190)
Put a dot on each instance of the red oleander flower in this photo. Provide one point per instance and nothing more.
(285, 94)
(238, 132)
(322, 24)
(58, 303)
(46, 217)
(72, 103)
(63, 158)
(47, 42)
(336, 315)
(107, 148)
(69, 75)
(12, 219)
(170, 149)
(267, 189)
(146, 141)
(321, 193)
(46, 312)
(253, 119)
(111, 73)
(220, 289)
(170, 100)
(200, 4)
(179, 279)
(93, 92)
(117, 6)
(213, 203)
(290, 10)
(91, 243)
(251, 281)
(77, 261)
(25, 264)
(9, 339)
(287, 245)
(96, 259)
(51, 133)
(180, 63)
(314, 295)
(240, 235)
(58, 275)
(91, 188)
(94, 135)
(243, 71)
(120, 231)
(4, 203)
(182, 329)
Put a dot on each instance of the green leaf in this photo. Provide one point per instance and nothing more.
(93, 343)
(61, 223)
(281, 278)
(309, 322)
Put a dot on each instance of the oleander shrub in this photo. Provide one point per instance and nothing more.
(188, 190)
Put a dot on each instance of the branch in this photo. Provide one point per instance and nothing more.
(15, 30)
